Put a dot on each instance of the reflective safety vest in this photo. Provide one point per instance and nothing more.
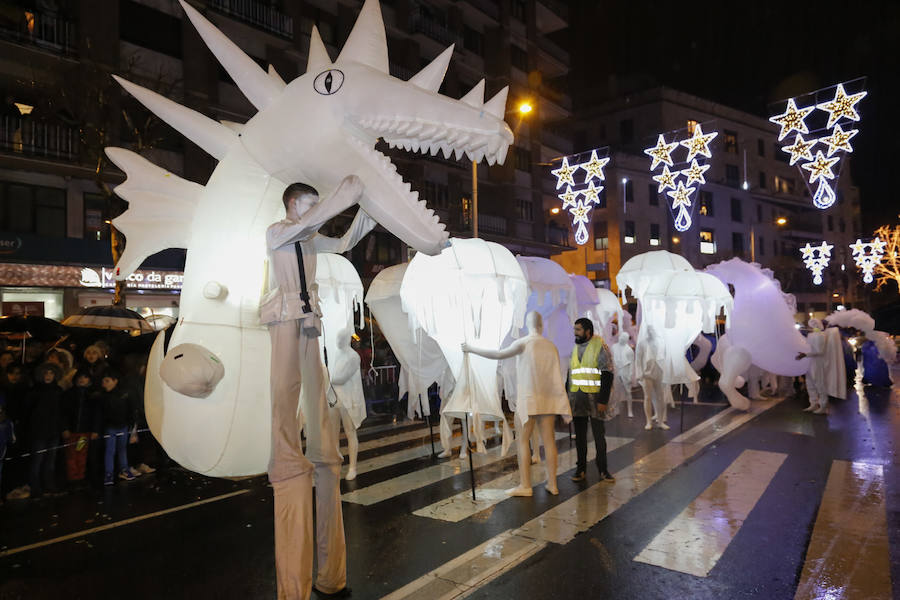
(584, 374)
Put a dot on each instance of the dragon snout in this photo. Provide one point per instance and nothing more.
(192, 370)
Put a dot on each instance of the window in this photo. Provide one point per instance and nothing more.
(601, 235)
(149, 28)
(519, 58)
(706, 204)
(761, 147)
(628, 190)
(784, 185)
(691, 125)
(653, 194)
(626, 131)
(707, 241)
(775, 247)
(731, 142)
(732, 176)
(842, 225)
(758, 213)
(96, 213)
(525, 209)
(762, 180)
(737, 243)
(33, 209)
(629, 232)
(736, 215)
(762, 246)
(830, 223)
(780, 155)
(523, 159)
(473, 40)
(436, 194)
(654, 234)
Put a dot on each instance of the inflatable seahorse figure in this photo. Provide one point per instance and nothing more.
(317, 129)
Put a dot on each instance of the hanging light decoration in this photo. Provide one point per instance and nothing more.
(868, 256)
(587, 188)
(816, 259)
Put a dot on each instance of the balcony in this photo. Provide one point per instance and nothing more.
(551, 15)
(492, 224)
(33, 138)
(434, 30)
(32, 28)
(257, 14)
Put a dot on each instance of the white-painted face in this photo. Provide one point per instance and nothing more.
(303, 203)
(534, 322)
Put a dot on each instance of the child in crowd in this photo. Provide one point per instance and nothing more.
(44, 428)
(118, 420)
(81, 424)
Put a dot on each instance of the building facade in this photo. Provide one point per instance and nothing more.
(754, 205)
(61, 108)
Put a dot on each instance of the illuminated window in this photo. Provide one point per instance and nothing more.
(691, 124)
(731, 142)
(654, 234)
(629, 232)
(706, 204)
(784, 185)
(707, 241)
(601, 235)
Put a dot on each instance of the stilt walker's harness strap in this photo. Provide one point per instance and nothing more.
(304, 290)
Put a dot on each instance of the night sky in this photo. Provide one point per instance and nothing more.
(749, 55)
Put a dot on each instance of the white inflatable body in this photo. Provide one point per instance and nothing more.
(474, 292)
(599, 305)
(317, 129)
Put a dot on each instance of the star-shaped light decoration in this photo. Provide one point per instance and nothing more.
(592, 193)
(661, 153)
(792, 119)
(580, 219)
(838, 140)
(867, 261)
(694, 173)
(820, 167)
(564, 173)
(699, 143)
(842, 105)
(681, 196)
(817, 264)
(568, 197)
(666, 179)
(594, 167)
(801, 149)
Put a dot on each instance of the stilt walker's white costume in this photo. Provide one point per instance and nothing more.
(623, 359)
(291, 310)
(815, 376)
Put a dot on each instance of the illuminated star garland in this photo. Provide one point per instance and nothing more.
(666, 179)
(694, 173)
(817, 264)
(867, 261)
(588, 190)
(820, 165)
(699, 143)
(661, 153)
(681, 201)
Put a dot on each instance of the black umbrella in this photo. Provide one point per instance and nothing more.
(110, 318)
(38, 328)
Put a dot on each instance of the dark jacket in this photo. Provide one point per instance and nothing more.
(45, 412)
(118, 409)
(82, 412)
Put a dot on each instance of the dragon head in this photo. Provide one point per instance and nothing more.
(325, 124)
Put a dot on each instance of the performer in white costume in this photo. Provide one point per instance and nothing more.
(815, 376)
(290, 308)
(623, 359)
(346, 399)
(540, 396)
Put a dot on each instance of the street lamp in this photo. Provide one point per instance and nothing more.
(524, 108)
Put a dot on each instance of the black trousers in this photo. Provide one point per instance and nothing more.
(598, 426)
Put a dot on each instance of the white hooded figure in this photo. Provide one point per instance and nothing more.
(541, 395)
(815, 375)
(346, 399)
(648, 358)
(623, 359)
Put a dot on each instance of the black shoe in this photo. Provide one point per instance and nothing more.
(344, 593)
(607, 477)
(578, 476)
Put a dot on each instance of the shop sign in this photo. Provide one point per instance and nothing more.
(10, 244)
(156, 280)
(22, 275)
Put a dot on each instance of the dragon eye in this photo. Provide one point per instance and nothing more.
(328, 82)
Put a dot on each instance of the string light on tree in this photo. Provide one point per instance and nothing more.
(699, 143)
(792, 119)
(816, 259)
(842, 106)
(867, 256)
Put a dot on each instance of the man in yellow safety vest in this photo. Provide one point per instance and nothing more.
(590, 382)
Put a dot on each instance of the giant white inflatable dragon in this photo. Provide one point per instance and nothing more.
(316, 129)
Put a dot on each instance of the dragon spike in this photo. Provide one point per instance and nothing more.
(475, 97)
(253, 81)
(274, 75)
(367, 43)
(212, 136)
(318, 54)
(497, 105)
(431, 77)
